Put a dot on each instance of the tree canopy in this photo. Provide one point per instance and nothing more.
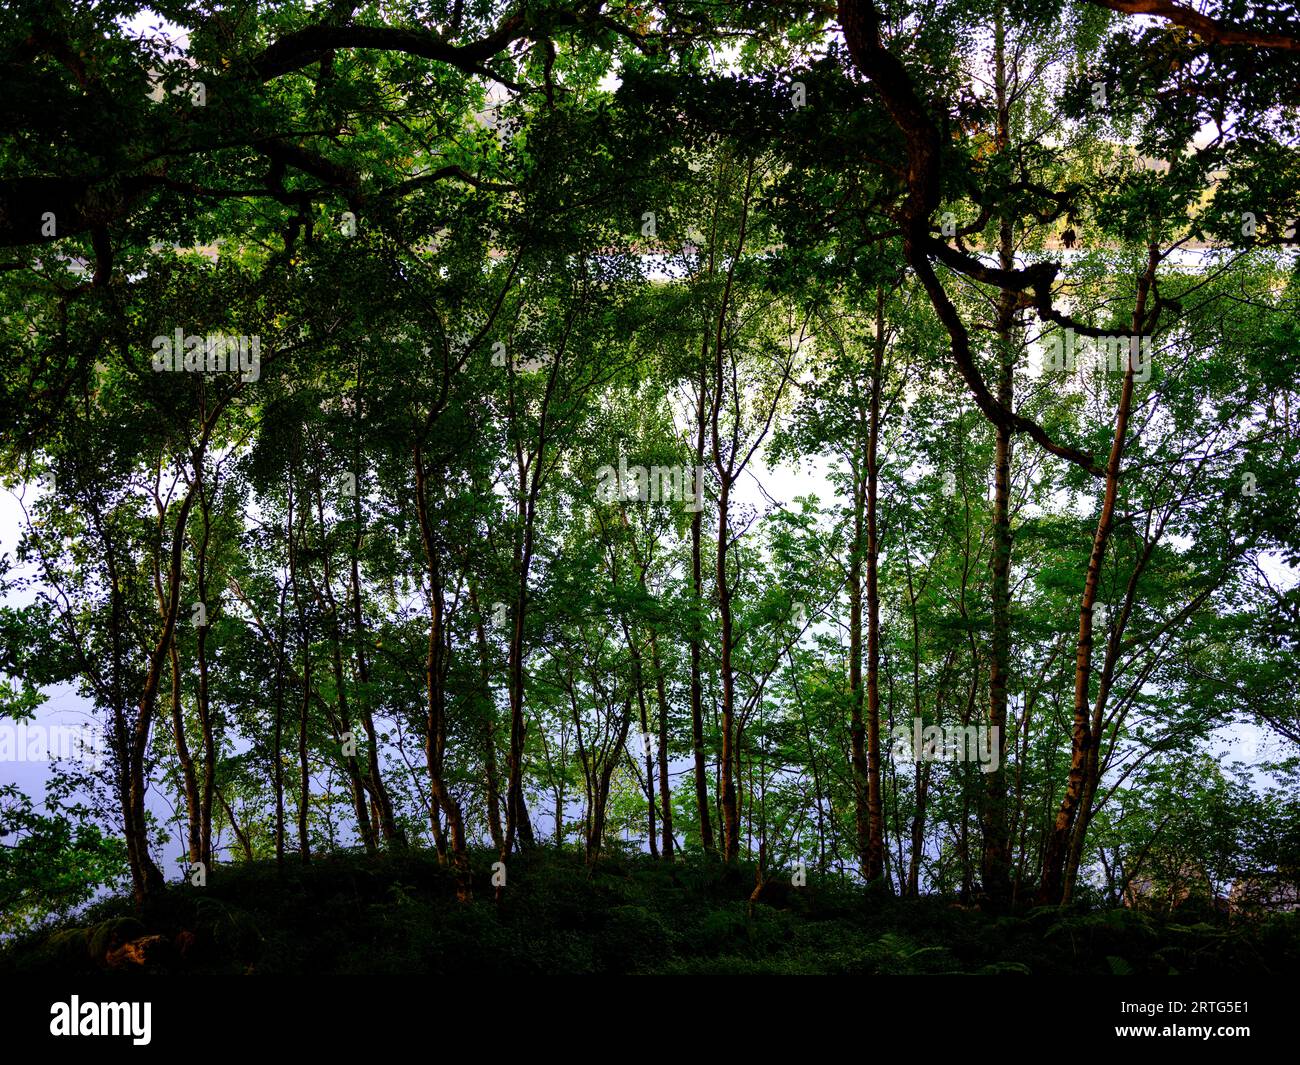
(853, 438)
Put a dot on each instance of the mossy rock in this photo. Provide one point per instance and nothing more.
(70, 943)
(67, 950)
(113, 933)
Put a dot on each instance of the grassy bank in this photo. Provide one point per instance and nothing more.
(347, 913)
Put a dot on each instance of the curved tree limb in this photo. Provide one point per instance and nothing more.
(1208, 29)
(860, 22)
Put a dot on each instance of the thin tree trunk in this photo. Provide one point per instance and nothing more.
(491, 776)
(857, 726)
(665, 789)
(188, 778)
(996, 860)
(876, 825)
(304, 771)
(436, 665)
(600, 798)
(203, 702)
(244, 842)
(638, 681)
(1082, 740)
(278, 738)
(727, 472)
(730, 804)
(383, 803)
(918, 830)
(697, 639)
(146, 878)
(343, 725)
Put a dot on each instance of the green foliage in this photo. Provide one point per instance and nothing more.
(492, 252)
(54, 864)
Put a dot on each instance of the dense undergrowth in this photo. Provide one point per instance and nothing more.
(348, 913)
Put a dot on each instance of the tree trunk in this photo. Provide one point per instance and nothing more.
(146, 879)
(857, 727)
(304, 771)
(918, 830)
(278, 739)
(638, 681)
(491, 776)
(665, 790)
(343, 724)
(875, 865)
(436, 665)
(1082, 739)
(203, 702)
(188, 779)
(996, 860)
(730, 803)
(697, 639)
(392, 833)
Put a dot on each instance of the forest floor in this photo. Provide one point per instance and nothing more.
(349, 913)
